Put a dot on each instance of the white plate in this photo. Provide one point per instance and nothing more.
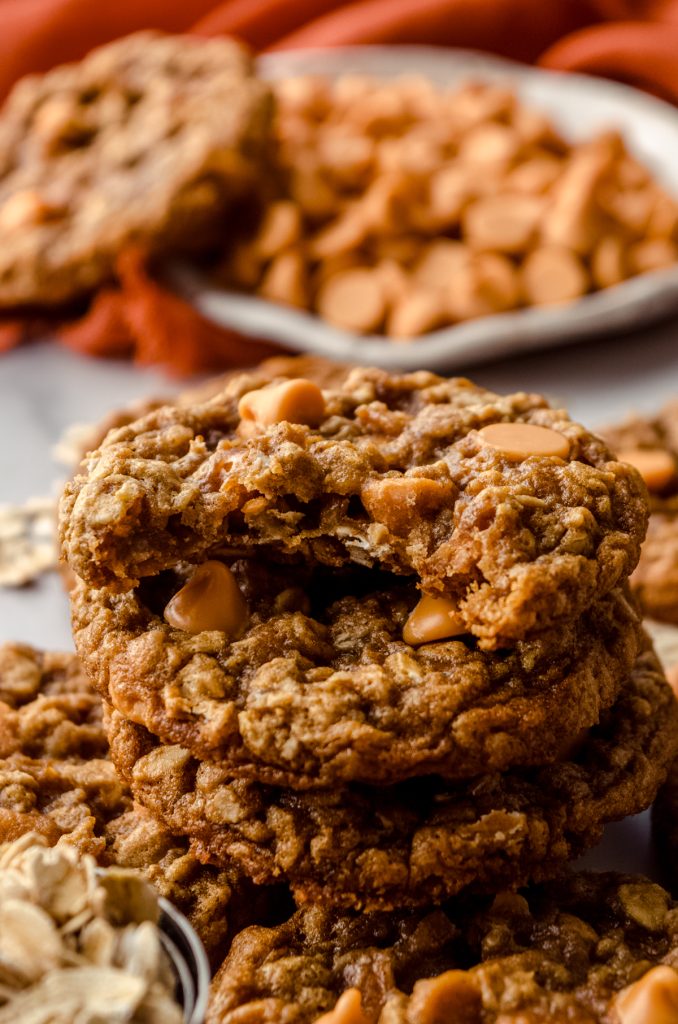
(580, 106)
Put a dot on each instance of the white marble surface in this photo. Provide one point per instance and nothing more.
(44, 388)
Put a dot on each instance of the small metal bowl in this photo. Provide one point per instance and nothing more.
(189, 961)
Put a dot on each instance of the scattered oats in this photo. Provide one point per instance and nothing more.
(28, 545)
(73, 443)
(78, 946)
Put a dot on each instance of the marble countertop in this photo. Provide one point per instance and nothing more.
(44, 389)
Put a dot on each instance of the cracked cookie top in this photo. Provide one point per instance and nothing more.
(517, 515)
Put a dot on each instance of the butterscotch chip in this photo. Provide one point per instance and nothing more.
(279, 229)
(566, 951)
(294, 401)
(439, 262)
(347, 1010)
(663, 220)
(653, 998)
(498, 280)
(423, 840)
(450, 191)
(418, 311)
(210, 600)
(395, 281)
(346, 233)
(523, 440)
(22, 210)
(657, 466)
(353, 300)
(609, 264)
(433, 618)
(490, 144)
(553, 274)
(535, 175)
(652, 441)
(285, 280)
(313, 193)
(454, 995)
(653, 254)
(572, 219)
(507, 223)
(631, 209)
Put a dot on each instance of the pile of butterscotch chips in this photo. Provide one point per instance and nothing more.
(366, 644)
(401, 207)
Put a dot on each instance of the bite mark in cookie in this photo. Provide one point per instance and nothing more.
(322, 687)
(396, 476)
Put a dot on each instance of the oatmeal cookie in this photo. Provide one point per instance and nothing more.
(322, 687)
(420, 841)
(586, 949)
(56, 779)
(414, 473)
(150, 139)
(651, 444)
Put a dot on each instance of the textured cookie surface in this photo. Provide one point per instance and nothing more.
(397, 475)
(655, 580)
(559, 953)
(418, 842)
(321, 687)
(149, 139)
(56, 779)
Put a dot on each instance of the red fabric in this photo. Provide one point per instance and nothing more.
(631, 40)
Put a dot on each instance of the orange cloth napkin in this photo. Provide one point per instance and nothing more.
(634, 41)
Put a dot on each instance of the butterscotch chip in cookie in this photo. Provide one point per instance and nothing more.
(553, 274)
(522, 440)
(422, 840)
(210, 600)
(651, 443)
(294, 401)
(654, 997)
(657, 466)
(565, 951)
(353, 299)
(520, 548)
(150, 139)
(56, 779)
(320, 686)
(433, 618)
(347, 1010)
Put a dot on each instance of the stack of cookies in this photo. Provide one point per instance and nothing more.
(374, 639)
